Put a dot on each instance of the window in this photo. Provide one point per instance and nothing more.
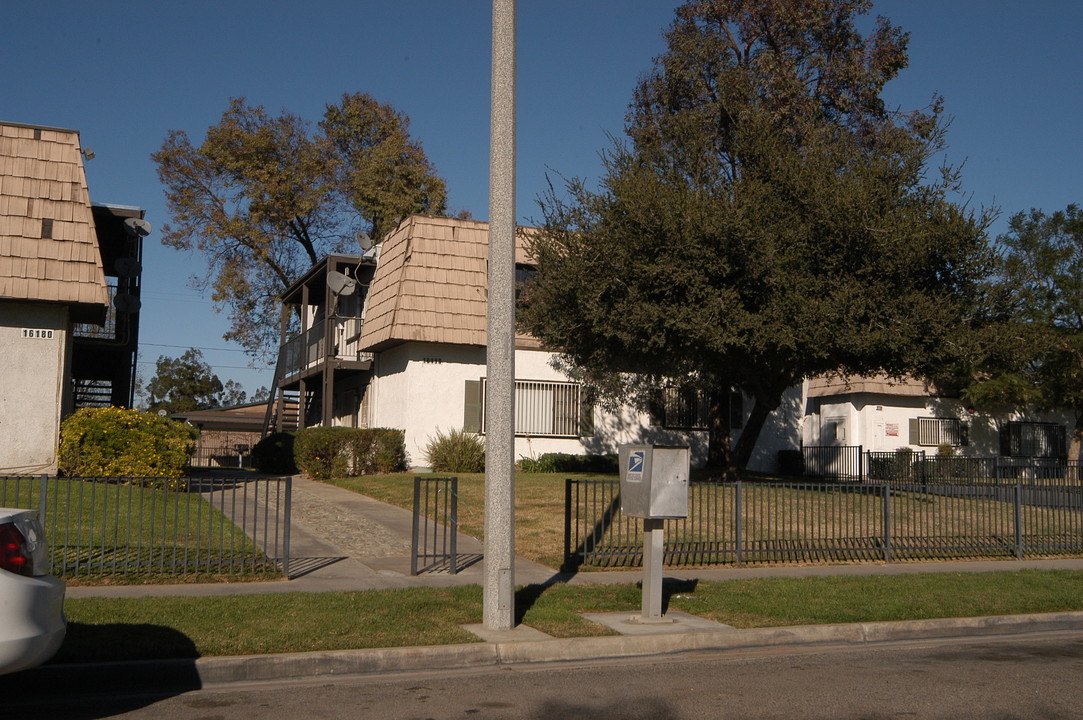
(524, 275)
(933, 431)
(542, 409)
(689, 409)
(1028, 439)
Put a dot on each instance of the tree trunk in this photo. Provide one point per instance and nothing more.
(1075, 442)
(719, 449)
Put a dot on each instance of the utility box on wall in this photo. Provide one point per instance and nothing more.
(654, 481)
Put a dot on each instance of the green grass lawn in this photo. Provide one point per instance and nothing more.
(104, 629)
(775, 513)
(539, 507)
(119, 532)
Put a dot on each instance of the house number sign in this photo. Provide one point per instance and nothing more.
(32, 333)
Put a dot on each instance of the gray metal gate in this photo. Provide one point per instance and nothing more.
(434, 545)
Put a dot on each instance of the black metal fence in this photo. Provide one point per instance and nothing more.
(920, 467)
(852, 463)
(222, 456)
(842, 462)
(436, 522)
(764, 523)
(215, 526)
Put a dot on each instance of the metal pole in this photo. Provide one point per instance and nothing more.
(653, 551)
(499, 595)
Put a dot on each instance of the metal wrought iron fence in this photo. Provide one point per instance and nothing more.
(842, 462)
(917, 466)
(764, 523)
(157, 526)
(222, 456)
(435, 528)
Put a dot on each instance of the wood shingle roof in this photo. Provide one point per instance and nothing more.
(48, 246)
(431, 284)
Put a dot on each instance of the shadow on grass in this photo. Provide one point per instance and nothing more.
(118, 642)
(123, 667)
(528, 595)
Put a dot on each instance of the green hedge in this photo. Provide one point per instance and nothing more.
(114, 442)
(340, 451)
(274, 454)
(564, 462)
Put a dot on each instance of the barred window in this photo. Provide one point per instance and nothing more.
(1029, 439)
(542, 409)
(934, 431)
(688, 409)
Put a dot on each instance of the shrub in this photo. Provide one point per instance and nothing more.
(387, 453)
(339, 451)
(457, 451)
(274, 454)
(114, 442)
(565, 462)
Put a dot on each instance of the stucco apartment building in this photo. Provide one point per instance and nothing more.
(406, 349)
(418, 360)
(51, 277)
(883, 414)
(62, 341)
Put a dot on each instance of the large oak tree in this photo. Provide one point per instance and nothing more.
(767, 219)
(263, 198)
(1032, 348)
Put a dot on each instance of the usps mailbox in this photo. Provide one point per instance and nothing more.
(654, 481)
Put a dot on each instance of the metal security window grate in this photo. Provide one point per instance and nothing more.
(1027, 439)
(546, 409)
(939, 431)
(689, 409)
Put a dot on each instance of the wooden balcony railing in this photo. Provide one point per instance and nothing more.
(311, 347)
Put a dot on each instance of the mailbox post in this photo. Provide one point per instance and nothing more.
(653, 486)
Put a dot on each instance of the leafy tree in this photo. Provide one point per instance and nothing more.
(188, 383)
(263, 198)
(1034, 352)
(766, 220)
(232, 394)
(262, 394)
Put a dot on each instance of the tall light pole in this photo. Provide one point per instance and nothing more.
(499, 596)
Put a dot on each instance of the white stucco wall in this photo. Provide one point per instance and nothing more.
(32, 378)
(420, 388)
(880, 422)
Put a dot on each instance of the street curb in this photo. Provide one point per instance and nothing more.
(222, 670)
(174, 676)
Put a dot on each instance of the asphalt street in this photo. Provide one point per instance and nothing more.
(1026, 676)
(344, 541)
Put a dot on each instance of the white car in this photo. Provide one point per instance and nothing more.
(32, 623)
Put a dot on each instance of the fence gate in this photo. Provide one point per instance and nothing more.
(436, 525)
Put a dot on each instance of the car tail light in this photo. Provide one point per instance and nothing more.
(14, 554)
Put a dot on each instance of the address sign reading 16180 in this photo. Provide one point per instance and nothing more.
(37, 333)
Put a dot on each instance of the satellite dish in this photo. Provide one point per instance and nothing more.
(137, 227)
(128, 267)
(341, 284)
(126, 303)
(364, 241)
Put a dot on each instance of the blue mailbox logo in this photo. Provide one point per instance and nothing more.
(634, 470)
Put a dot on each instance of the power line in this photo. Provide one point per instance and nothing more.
(158, 344)
(214, 367)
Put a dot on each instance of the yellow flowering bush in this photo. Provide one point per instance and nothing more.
(115, 442)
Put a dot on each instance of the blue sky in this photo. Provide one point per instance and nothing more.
(125, 73)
